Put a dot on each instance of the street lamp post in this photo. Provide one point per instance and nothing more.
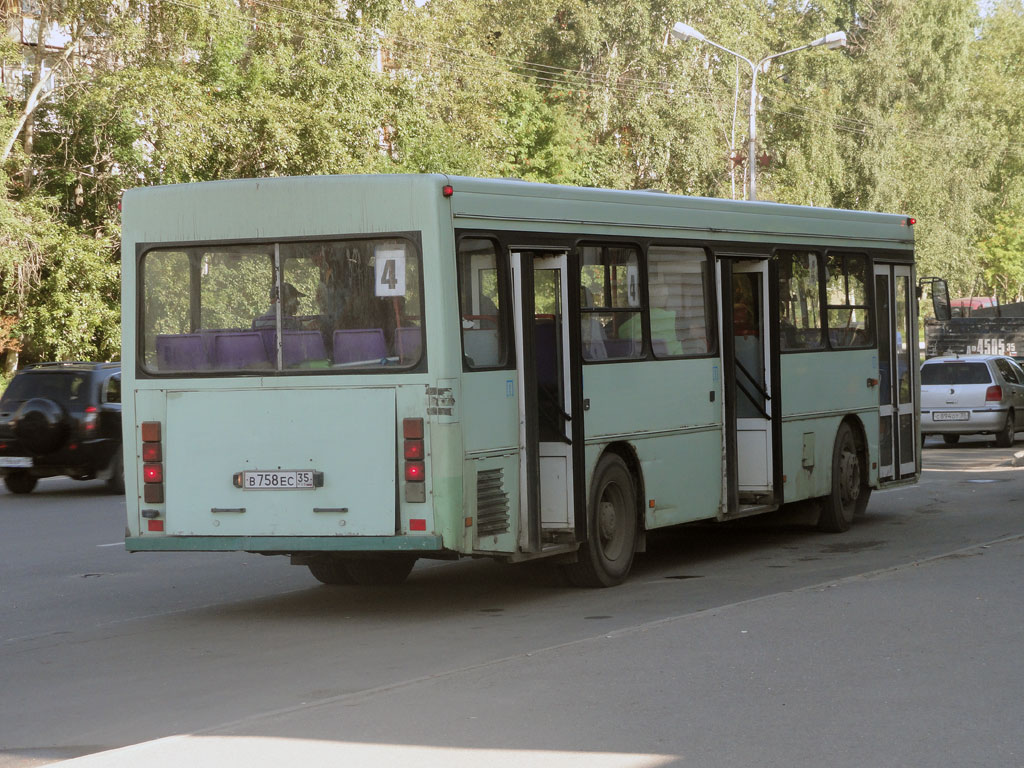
(831, 41)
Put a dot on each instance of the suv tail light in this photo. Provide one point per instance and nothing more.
(92, 415)
(994, 394)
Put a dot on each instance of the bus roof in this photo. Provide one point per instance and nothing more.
(498, 204)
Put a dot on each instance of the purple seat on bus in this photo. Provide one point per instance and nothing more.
(300, 346)
(180, 352)
(409, 341)
(360, 345)
(243, 349)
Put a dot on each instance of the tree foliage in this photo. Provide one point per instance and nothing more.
(922, 114)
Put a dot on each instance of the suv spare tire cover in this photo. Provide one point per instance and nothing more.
(41, 425)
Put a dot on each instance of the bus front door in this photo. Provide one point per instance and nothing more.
(897, 368)
(747, 364)
(541, 301)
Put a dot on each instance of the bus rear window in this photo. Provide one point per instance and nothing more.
(340, 305)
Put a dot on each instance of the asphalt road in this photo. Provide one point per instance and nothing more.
(758, 643)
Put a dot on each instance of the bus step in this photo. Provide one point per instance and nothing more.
(746, 510)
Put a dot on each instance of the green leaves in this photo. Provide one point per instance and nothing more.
(923, 114)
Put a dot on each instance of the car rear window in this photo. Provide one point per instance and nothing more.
(60, 387)
(955, 373)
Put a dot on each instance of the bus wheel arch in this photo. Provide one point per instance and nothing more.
(850, 488)
(614, 521)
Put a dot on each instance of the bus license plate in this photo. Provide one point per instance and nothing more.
(278, 480)
(950, 416)
(16, 461)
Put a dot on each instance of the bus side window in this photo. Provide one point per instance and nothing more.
(678, 289)
(849, 313)
(610, 303)
(483, 326)
(800, 323)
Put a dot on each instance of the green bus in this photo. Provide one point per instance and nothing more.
(359, 371)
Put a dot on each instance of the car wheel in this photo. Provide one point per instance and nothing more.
(607, 555)
(850, 491)
(20, 482)
(951, 439)
(1004, 437)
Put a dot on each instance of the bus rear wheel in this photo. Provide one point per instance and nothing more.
(850, 491)
(379, 571)
(331, 572)
(607, 555)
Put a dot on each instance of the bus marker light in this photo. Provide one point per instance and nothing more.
(414, 449)
(417, 524)
(412, 429)
(651, 503)
(153, 473)
(156, 525)
(151, 452)
(414, 471)
(150, 431)
(469, 522)
(447, 190)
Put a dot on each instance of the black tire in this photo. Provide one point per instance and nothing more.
(612, 525)
(951, 439)
(331, 572)
(1004, 437)
(41, 425)
(850, 491)
(115, 483)
(379, 571)
(20, 482)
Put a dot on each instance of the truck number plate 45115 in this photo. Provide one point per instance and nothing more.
(278, 480)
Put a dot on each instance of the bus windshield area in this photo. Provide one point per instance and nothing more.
(295, 307)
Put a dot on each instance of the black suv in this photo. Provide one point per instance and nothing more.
(62, 419)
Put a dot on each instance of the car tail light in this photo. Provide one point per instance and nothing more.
(152, 465)
(92, 414)
(993, 394)
(414, 453)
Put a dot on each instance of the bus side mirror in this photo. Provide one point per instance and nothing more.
(940, 296)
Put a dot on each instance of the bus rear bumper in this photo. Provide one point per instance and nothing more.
(283, 544)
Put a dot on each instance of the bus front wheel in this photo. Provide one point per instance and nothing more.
(607, 555)
(850, 493)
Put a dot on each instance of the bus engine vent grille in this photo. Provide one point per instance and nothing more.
(491, 503)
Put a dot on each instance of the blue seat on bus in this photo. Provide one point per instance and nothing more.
(409, 343)
(359, 345)
(180, 352)
(242, 349)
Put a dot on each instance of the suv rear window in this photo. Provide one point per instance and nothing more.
(60, 387)
(955, 373)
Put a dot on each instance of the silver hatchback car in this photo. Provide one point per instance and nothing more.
(972, 395)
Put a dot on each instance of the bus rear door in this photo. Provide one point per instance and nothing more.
(541, 300)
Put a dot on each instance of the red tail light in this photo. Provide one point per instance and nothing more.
(91, 416)
(412, 429)
(414, 472)
(152, 468)
(414, 449)
(994, 394)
